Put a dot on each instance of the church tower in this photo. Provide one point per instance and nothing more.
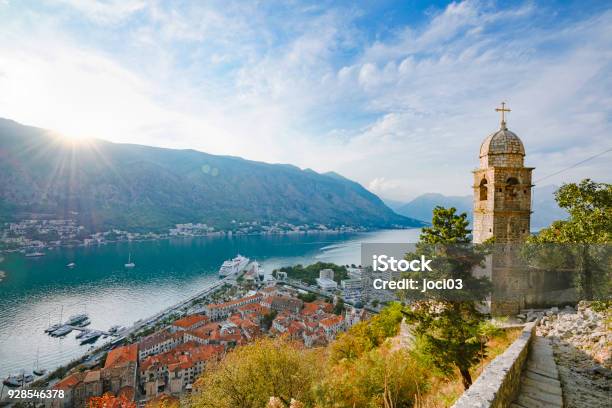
(502, 188)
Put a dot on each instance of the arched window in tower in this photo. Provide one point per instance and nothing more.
(483, 189)
(511, 188)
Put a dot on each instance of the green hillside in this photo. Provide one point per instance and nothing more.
(106, 185)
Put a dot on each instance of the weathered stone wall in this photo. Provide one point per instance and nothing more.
(500, 381)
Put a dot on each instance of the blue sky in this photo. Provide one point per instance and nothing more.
(395, 95)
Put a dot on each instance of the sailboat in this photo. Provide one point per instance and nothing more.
(130, 264)
(37, 370)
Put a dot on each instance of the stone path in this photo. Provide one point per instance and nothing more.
(585, 383)
(540, 385)
(404, 339)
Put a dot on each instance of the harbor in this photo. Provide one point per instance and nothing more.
(168, 276)
(228, 273)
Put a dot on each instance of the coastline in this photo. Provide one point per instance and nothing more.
(220, 234)
(94, 355)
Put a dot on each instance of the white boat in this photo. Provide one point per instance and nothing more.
(84, 323)
(13, 381)
(81, 334)
(62, 331)
(77, 318)
(18, 380)
(233, 266)
(40, 372)
(37, 370)
(53, 328)
(70, 265)
(129, 263)
(34, 254)
(91, 337)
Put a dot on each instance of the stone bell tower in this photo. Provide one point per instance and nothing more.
(502, 188)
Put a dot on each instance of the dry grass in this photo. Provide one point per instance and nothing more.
(443, 392)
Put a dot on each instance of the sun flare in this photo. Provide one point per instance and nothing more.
(72, 138)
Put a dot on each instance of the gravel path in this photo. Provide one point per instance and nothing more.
(581, 341)
(585, 383)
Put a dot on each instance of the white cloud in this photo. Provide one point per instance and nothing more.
(403, 115)
(106, 11)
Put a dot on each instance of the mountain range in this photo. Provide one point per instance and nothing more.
(110, 185)
(544, 207)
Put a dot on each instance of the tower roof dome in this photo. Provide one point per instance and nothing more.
(502, 141)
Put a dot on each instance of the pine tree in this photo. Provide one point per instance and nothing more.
(447, 323)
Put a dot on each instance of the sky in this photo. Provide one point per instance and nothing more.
(397, 95)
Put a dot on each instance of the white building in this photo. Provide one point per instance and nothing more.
(326, 284)
(326, 280)
(352, 290)
(326, 274)
(355, 273)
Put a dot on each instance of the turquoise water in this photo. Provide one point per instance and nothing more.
(36, 290)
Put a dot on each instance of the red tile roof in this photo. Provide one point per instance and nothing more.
(189, 321)
(310, 308)
(121, 355)
(331, 321)
(69, 381)
(233, 303)
(92, 376)
(183, 356)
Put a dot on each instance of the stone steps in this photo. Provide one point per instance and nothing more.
(540, 385)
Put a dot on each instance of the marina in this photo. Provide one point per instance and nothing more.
(169, 275)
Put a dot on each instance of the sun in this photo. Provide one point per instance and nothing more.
(73, 139)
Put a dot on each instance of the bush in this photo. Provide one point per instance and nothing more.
(248, 376)
(378, 378)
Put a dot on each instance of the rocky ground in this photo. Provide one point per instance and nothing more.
(582, 344)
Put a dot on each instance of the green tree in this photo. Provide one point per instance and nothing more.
(267, 319)
(583, 239)
(339, 307)
(447, 227)
(589, 205)
(307, 297)
(448, 330)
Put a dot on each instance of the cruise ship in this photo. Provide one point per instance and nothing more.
(233, 266)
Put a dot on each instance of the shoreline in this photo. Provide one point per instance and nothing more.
(143, 323)
(211, 235)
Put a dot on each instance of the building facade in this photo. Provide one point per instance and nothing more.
(502, 212)
(502, 189)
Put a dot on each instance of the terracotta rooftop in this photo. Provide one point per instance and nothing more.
(69, 381)
(121, 355)
(189, 321)
(92, 376)
(310, 308)
(331, 321)
(155, 338)
(183, 356)
(232, 303)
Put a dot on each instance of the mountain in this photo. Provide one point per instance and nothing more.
(544, 206)
(107, 184)
(422, 206)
